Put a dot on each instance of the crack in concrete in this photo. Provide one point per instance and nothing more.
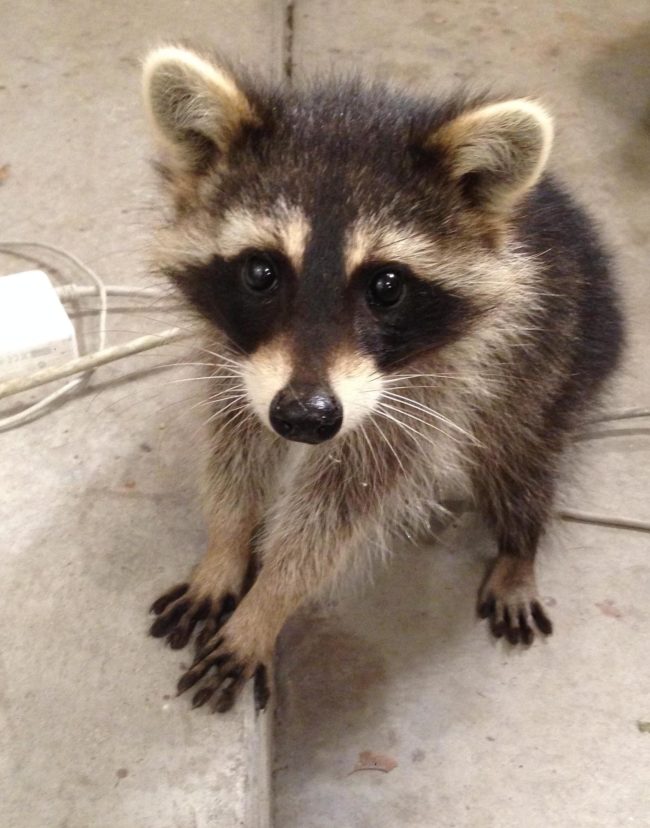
(288, 33)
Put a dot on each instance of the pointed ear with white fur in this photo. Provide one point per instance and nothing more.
(496, 152)
(195, 106)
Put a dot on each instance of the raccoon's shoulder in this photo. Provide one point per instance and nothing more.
(578, 276)
(554, 225)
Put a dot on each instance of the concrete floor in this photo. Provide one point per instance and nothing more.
(99, 509)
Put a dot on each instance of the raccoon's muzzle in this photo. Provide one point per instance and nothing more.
(306, 414)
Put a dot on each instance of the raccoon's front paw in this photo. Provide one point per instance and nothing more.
(233, 659)
(508, 599)
(184, 606)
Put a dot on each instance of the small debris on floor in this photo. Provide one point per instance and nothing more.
(374, 761)
(608, 607)
(4, 172)
(644, 727)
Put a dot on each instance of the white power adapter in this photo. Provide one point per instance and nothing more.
(35, 330)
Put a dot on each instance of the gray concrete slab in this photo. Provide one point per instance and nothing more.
(99, 508)
(484, 736)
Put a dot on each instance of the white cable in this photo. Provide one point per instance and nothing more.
(578, 516)
(622, 414)
(84, 365)
(67, 293)
(89, 362)
(601, 520)
(615, 432)
(27, 413)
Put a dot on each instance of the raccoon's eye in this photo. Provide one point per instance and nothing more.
(386, 288)
(259, 274)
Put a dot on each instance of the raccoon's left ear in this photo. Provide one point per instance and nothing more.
(195, 105)
(496, 152)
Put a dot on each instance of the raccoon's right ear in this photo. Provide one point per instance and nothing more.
(496, 152)
(196, 108)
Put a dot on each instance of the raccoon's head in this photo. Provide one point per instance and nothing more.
(338, 235)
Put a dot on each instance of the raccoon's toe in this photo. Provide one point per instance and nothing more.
(508, 600)
(180, 610)
(517, 623)
(215, 620)
(223, 671)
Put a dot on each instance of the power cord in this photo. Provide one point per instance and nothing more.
(85, 365)
(577, 516)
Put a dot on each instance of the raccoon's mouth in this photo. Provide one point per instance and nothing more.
(306, 415)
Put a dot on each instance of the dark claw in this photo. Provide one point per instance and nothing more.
(216, 621)
(163, 624)
(543, 622)
(511, 632)
(527, 634)
(487, 607)
(228, 694)
(207, 650)
(261, 692)
(161, 603)
(202, 695)
(498, 628)
(179, 637)
(209, 629)
(199, 669)
(217, 683)
(189, 679)
(225, 699)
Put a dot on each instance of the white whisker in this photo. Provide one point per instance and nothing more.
(230, 407)
(381, 410)
(426, 410)
(206, 378)
(389, 444)
(420, 420)
(371, 448)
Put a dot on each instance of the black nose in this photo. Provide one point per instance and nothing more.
(306, 415)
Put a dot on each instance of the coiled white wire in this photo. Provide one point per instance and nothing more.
(84, 365)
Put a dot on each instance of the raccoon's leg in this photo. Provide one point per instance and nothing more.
(211, 593)
(244, 646)
(517, 508)
(309, 537)
(214, 587)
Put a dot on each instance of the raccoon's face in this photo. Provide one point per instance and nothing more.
(337, 236)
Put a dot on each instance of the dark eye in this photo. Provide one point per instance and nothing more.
(386, 288)
(259, 274)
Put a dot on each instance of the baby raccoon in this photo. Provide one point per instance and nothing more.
(396, 303)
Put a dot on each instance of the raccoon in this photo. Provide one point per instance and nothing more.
(396, 302)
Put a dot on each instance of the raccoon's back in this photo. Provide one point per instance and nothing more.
(583, 319)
